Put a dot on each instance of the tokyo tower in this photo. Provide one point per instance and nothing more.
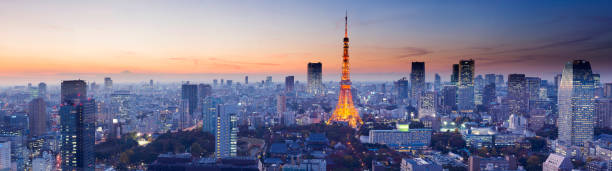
(345, 110)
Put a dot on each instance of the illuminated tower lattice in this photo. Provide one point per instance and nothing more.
(345, 110)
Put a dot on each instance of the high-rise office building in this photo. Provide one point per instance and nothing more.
(603, 112)
(269, 81)
(598, 87)
(479, 84)
(558, 80)
(211, 109)
(488, 95)
(42, 90)
(77, 124)
(517, 94)
(417, 81)
(215, 82)
(437, 83)
(281, 106)
(204, 90)
(189, 93)
(449, 98)
(246, 79)
(427, 104)
(289, 84)
(108, 83)
(226, 136)
(120, 104)
(499, 80)
(5, 155)
(608, 90)
(455, 75)
(38, 117)
(402, 89)
(315, 82)
(533, 91)
(184, 118)
(465, 92)
(576, 103)
(490, 79)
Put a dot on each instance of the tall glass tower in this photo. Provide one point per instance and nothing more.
(77, 118)
(211, 108)
(465, 94)
(315, 76)
(576, 103)
(417, 79)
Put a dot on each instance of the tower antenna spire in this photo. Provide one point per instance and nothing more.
(346, 24)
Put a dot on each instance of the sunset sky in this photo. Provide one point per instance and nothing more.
(200, 40)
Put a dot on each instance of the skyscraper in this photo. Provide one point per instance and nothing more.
(402, 89)
(289, 84)
(246, 79)
(437, 83)
(189, 92)
(108, 83)
(345, 110)
(479, 84)
(465, 93)
(533, 91)
(449, 98)
(315, 83)
(269, 81)
(558, 80)
(499, 80)
(38, 117)
(417, 80)
(226, 136)
(489, 79)
(576, 103)
(5, 155)
(204, 90)
(599, 87)
(211, 108)
(455, 75)
(488, 95)
(603, 112)
(608, 90)
(77, 119)
(281, 106)
(42, 90)
(427, 104)
(517, 94)
(120, 104)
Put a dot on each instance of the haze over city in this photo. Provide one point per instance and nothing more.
(170, 41)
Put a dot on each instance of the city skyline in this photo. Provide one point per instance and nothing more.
(269, 86)
(135, 39)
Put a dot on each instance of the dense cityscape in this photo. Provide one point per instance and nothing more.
(468, 121)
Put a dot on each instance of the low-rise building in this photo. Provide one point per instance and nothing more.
(477, 163)
(419, 164)
(557, 162)
(402, 139)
